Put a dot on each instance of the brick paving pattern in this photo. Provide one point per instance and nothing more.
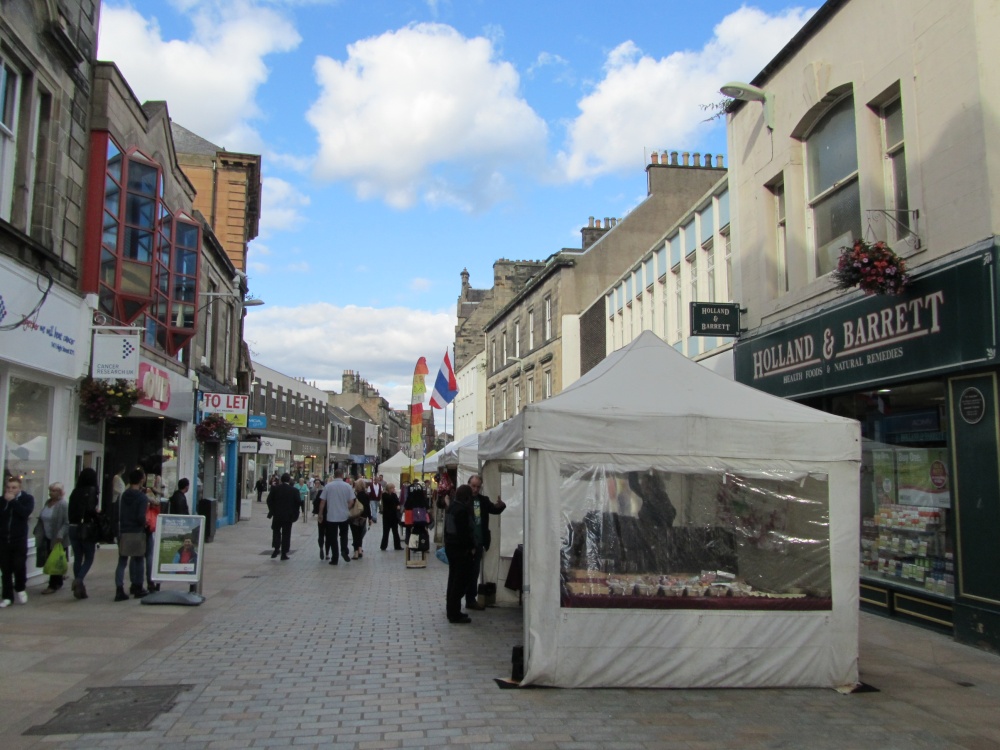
(304, 654)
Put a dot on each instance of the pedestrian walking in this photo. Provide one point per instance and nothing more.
(52, 529)
(132, 508)
(303, 489)
(260, 487)
(84, 527)
(333, 512)
(360, 523)
(14, 513)
(326, 543)
(390, 517)
(283, 510)
(460, 547)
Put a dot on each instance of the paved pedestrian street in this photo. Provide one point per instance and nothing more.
(303, 654)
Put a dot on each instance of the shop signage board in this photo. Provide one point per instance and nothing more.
(248, 446)
(715, 319)
(233, 406)
(178, 547)
(257, 422)
(946, 320)
(53, 337)
(115, 356)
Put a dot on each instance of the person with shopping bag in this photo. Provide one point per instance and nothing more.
(51, 538)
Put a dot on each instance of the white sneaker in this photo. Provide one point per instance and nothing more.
(5, 603)
(22, 597)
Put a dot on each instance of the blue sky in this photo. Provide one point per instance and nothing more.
(405, 140)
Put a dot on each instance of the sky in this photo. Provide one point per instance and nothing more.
(403, 141)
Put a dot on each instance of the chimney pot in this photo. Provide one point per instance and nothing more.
(607, 223)
(673, 158)
(598, 225)
(591, 224)
(686, 158)
(718, 161)
(654, 158)
(696, 159)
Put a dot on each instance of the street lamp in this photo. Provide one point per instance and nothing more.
(745, 92)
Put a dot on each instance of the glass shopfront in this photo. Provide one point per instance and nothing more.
(29, 417)
(907, 524)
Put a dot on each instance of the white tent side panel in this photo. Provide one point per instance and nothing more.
(567, 647)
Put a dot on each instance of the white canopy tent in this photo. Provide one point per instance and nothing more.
(461, 455)
(684, 530)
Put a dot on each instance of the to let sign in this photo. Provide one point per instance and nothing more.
(715, 319)
(233, 406)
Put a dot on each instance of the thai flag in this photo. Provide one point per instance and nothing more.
(445, 386)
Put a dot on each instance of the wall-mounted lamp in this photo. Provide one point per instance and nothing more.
(249, 302)
(747, 93)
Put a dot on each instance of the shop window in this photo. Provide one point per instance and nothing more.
(149, 258)
(780, 235)
(29, 416)
(832, 179)
(10, 100)
(897, 198)
(907, 525)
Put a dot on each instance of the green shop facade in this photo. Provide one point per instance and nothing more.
(919, 372)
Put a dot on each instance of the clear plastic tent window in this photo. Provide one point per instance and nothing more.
(670, 537)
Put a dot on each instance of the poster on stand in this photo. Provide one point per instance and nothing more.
(178, 545)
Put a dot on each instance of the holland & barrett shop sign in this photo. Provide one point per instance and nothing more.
(945, 320)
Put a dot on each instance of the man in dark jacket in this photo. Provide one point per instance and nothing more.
(482, 509)
(131, 522)
(460, 546)
(283, 503)
(178, 505)
(14, 513)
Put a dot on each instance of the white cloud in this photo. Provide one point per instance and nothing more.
(319, 341)
(423, 113)
(647, 102)
(282, 204)
(222, 63)
(420, 285)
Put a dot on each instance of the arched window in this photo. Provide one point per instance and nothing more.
(834, 198)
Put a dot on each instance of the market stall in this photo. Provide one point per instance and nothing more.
(683, 530)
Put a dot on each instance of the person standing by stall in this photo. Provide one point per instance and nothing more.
(14, 513)
(460, 546)
(390, 517)
(482, 509)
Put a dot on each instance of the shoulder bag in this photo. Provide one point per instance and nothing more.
(132, 544)
(356, 510)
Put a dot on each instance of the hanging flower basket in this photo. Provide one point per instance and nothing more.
(212, 429)
(106, 399)
(873, 268)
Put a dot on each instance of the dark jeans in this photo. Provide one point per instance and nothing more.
(358, 531)
(458, 578)
(135, 567)
(326, 540)
(13, 567)
(83, 553)
(281, 536)
(390, 523)
(336, 529)
(472, 586)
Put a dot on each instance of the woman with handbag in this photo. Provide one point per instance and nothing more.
(152, 514)
(131, 536)
(360, 513)
(52, 529)
(83, 527)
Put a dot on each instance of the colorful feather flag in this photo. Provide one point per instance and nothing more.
(445, 386)
(417, 405)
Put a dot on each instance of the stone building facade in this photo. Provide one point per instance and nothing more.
(534, 343)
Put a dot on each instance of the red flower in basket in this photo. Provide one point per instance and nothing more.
(214, 428)
(873, 268)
